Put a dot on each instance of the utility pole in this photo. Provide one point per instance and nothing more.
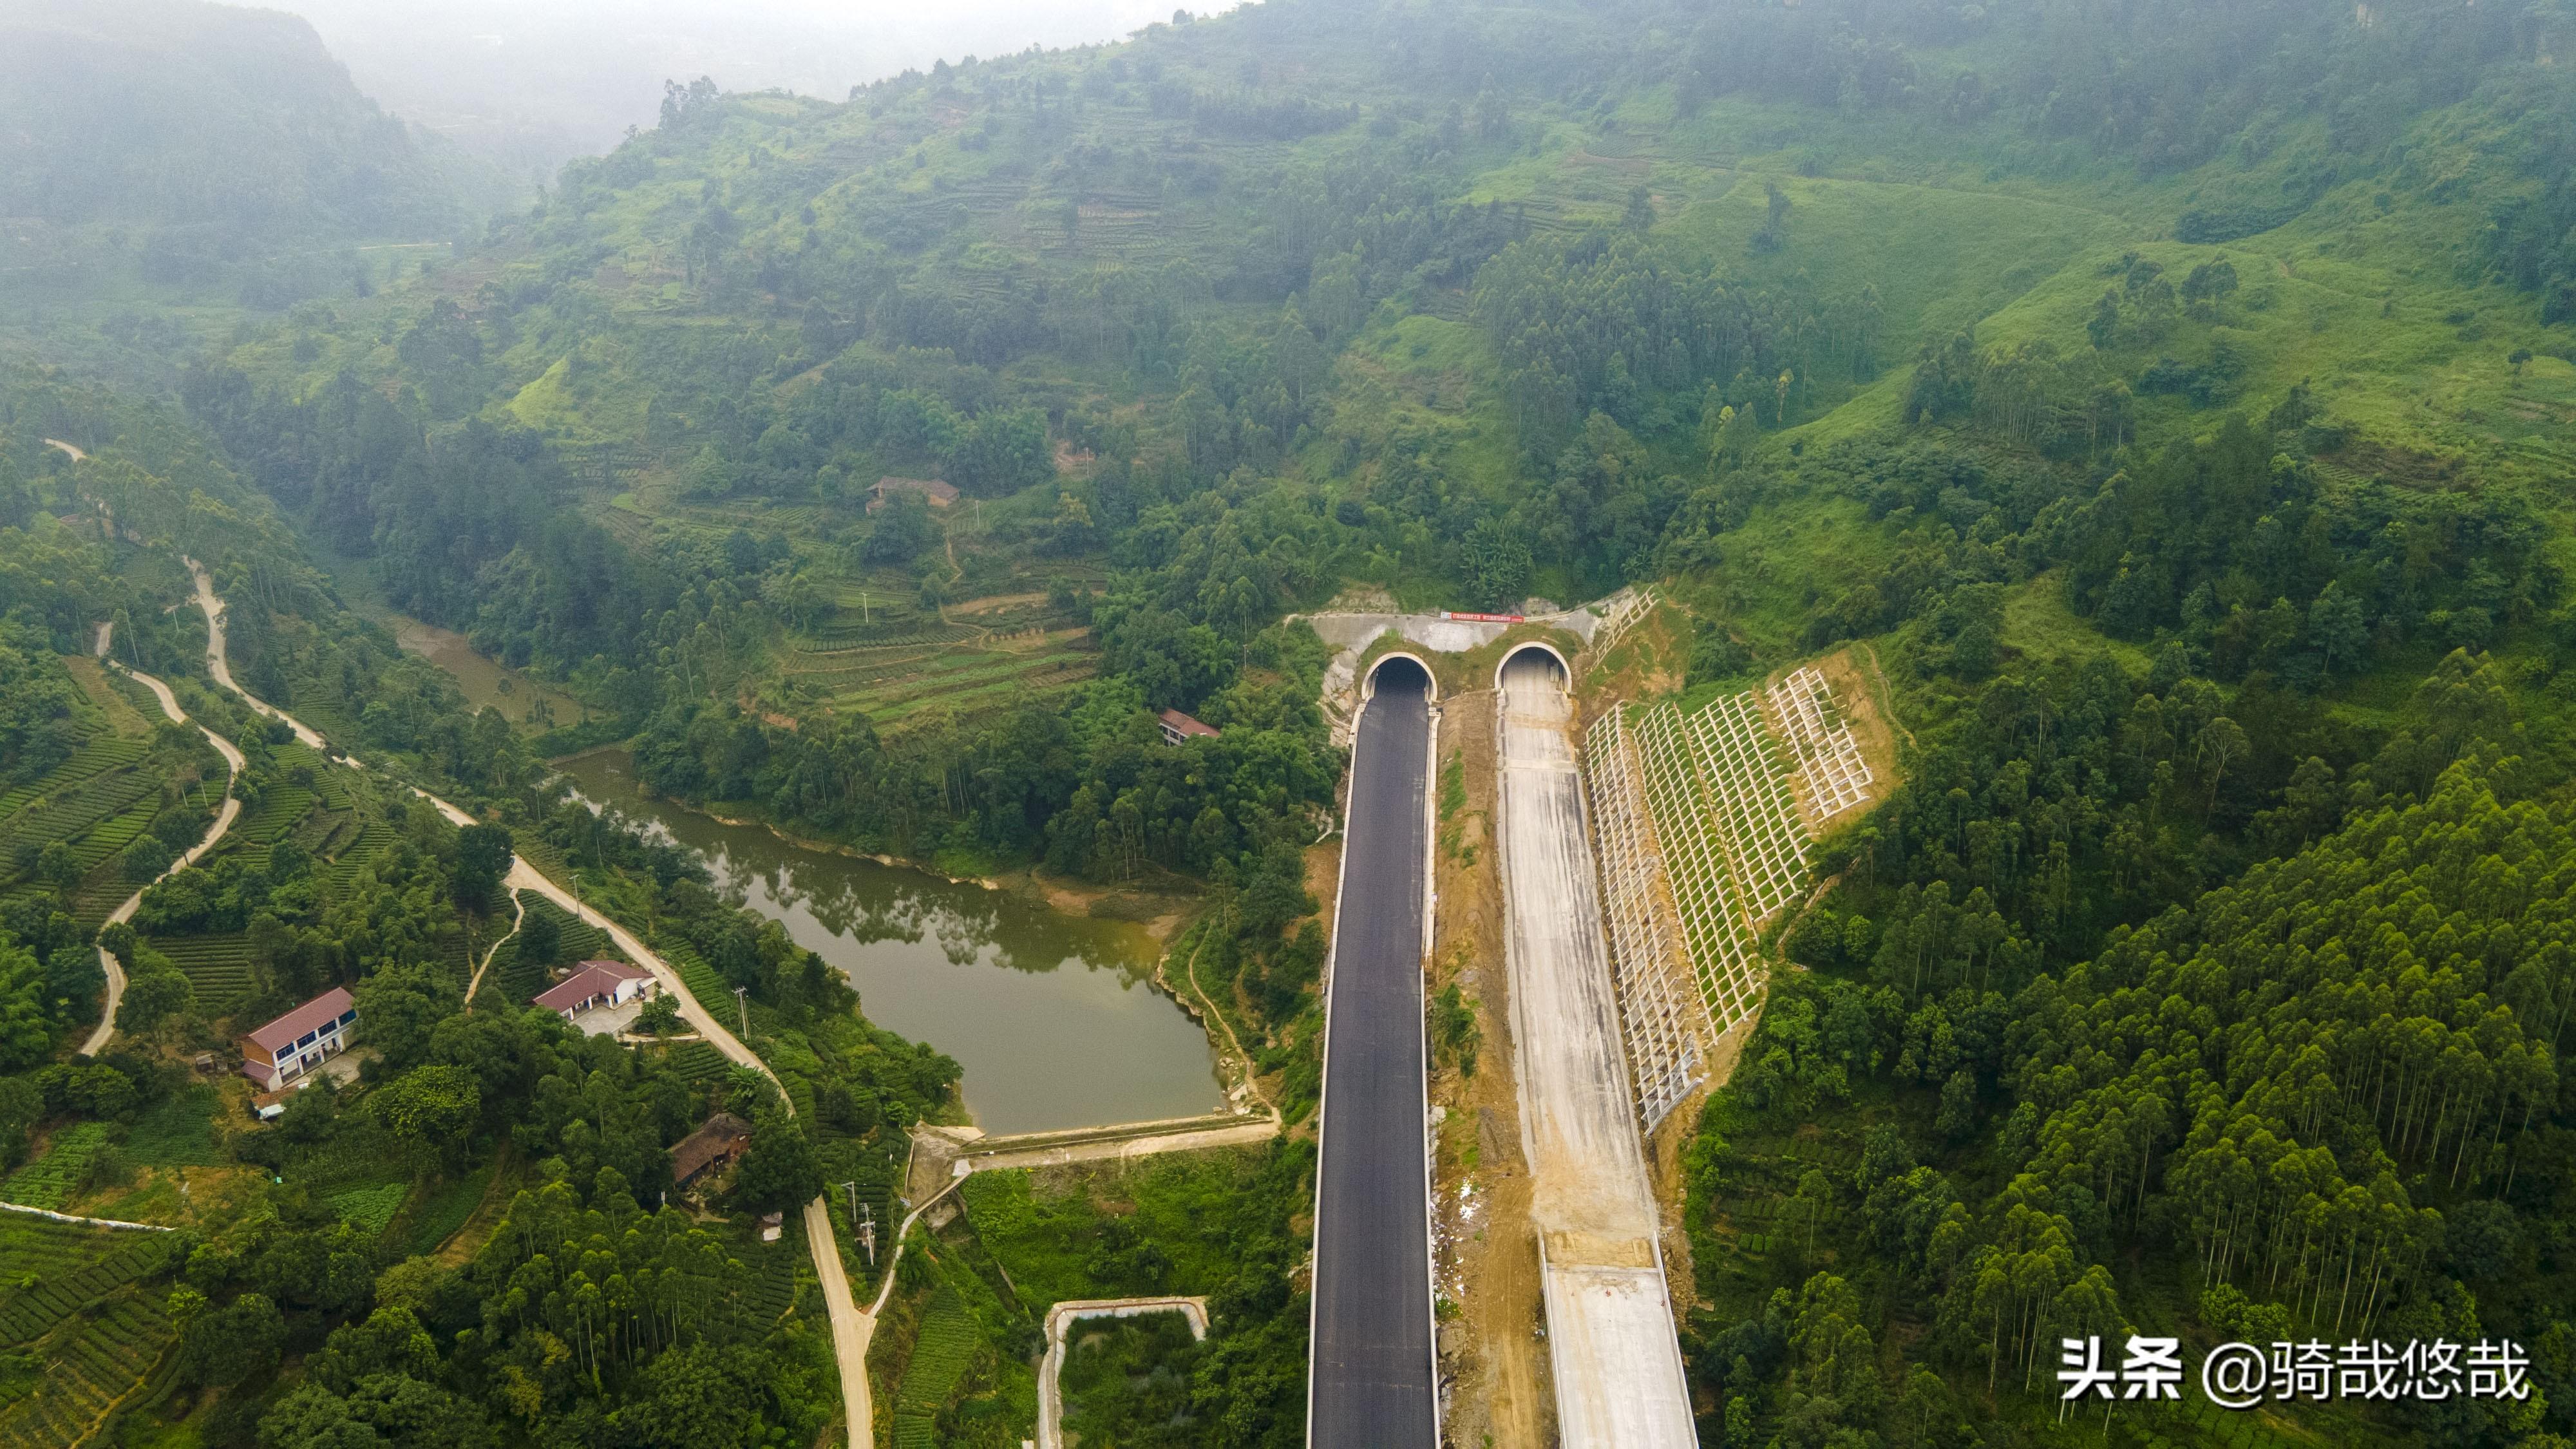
(742, 998)
(863, 1222)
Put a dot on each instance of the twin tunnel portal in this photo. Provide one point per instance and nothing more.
(1615, 1362)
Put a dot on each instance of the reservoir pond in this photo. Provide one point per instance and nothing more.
(1051, 1015)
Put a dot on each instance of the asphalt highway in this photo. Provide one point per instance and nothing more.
(1372, 1382)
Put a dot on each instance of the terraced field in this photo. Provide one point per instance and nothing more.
(97, 802)
(280, 811)
(941, 1354)
(697, 1061)
(328, 785)
(770, 1289)
(320, 707)
(374, 838)
(217, 965)
(91, 1364)
(125, 718)
(96, 758)
(50, 1180)
(519, 979)
(50, 1271)
(1015, 654)
(326, 832)
(713, 991)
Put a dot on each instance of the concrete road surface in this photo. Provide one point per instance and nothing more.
(1616, 1361)
(1371, 1383)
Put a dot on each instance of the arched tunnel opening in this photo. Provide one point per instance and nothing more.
(1531, 665)
(1401, 674)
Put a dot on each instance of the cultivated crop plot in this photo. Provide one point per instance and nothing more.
(67, 1303)
(1831, 772)
(95, 804)
(1732, 846)
(1664, 1020)
(893, 661)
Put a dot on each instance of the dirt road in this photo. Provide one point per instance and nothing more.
(219, 666)
(851, 1329)
(224, 819)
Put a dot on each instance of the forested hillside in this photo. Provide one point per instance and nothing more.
(324, 1264)
(2177, 401)
(166, 162)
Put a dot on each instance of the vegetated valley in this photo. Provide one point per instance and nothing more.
(2174, 405)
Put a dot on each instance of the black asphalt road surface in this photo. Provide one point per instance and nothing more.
(1372, 1367)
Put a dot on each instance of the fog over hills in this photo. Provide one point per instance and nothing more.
(530, 87)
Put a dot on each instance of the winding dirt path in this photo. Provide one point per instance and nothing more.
(518, 918)
(218, 663)
(1242, 1059)
(224, 819)
(851, 1329)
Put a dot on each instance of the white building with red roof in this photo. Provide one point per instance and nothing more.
(1179, 728)
(596, 983)
(299, 1041)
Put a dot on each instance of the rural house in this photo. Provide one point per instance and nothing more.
(596, 983)
(714, 1146)
(1178, 727)
(935, 492)
(299, 1041)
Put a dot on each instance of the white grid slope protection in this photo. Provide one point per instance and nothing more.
(1757, 818)
(1622, 618)
(1664, 1020)
(1716, 943)
(1732, 843)
(1829, 760)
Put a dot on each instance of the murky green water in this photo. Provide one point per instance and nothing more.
(1049, 1014)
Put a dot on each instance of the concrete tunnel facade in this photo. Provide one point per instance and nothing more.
(1430, 681)
(1564, 671)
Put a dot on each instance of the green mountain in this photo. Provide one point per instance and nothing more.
(2172, 406)
(185, 145)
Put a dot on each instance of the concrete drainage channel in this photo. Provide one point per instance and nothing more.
(1063, 1316)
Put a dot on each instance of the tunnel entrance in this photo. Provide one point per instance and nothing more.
(1535, 655)
(1401, 672)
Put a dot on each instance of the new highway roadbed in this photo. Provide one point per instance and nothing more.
(1372, 1380)
(1616, 1362)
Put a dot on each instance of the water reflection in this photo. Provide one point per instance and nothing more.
(1049, 1014)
